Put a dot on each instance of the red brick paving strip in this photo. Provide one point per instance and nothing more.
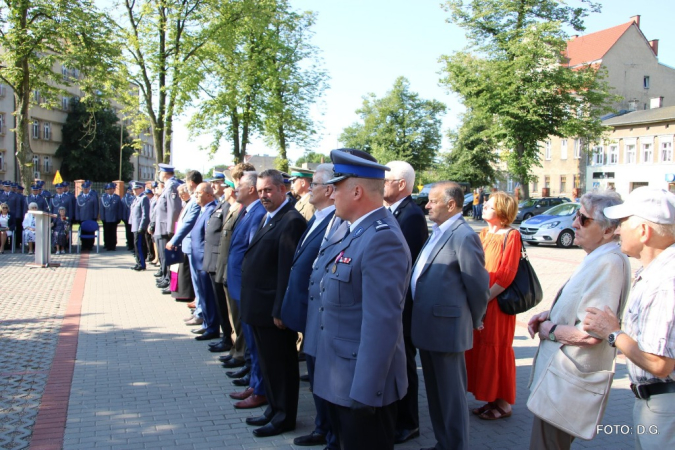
(50, 424)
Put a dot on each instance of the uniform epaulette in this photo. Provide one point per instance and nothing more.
(379, 225)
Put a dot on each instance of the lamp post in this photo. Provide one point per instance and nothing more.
(121, 146)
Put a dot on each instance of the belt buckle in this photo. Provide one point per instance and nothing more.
(640, 391)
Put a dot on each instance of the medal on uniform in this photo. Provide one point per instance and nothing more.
(334, 269)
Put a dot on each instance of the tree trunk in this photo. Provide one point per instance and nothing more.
(168, 136)
(236, 147)
(283, 160)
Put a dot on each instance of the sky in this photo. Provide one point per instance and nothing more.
(366, 44)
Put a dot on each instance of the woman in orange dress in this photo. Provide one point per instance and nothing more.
(491, 363)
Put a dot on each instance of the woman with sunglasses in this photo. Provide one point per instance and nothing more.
(6, 226)
(602, 279)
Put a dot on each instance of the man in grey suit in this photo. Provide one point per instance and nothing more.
(360, 362)
(139, 217)
(450, 292)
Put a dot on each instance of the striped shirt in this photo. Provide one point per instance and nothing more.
(650, 315)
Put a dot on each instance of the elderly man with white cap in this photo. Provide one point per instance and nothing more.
(647, 335)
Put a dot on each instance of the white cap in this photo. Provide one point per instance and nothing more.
(652, 204)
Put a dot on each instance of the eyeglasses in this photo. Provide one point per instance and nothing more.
(583, 218)
(313, 184)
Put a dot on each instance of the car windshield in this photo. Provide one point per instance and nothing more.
(566, 209)
(527, 203)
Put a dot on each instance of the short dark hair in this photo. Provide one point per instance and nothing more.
(195, 176)
(274, 175)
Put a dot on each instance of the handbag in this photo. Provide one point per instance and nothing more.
(571, 400)
(524, 292)
(173, 256)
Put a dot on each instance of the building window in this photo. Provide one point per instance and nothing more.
(563, 149)
(65, 103)
(36, 129)
(547, 154)
(2, 160)
(509, 185)
(47, 164)
(535, 186)
(47, 131)
(645, 82)
(577, 149)
(2, 90)
(547, 181)
(64, 73)
(598, 155)
(614, 154)
(576, 181)
(563, 183)
(648, 153)
(667, 151)
(2, 124)
(36, 97)
(630, 154)
(36, 165)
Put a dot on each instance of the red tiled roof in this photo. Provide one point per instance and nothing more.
(594, 46)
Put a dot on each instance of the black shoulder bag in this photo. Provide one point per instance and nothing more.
(524, 292)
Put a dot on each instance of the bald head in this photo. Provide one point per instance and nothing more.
(204, 194)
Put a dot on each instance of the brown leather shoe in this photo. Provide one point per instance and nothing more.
(242, 395)
(192, 305)
(252, 402)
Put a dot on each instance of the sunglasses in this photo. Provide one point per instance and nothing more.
(583, 219)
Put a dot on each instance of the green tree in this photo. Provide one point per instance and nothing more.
(473, 156)
(40, 37)
(162, 40)
(398, 126)
(515, 71)
(312, 157)
(90, 148)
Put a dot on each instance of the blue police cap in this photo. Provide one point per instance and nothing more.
(65, 184)
(137, 185)
(110, 186)
(58, 185)
(165, 168)
(349, 162)
(148, 192)
(86, 184)
(154, 184)
(35, 187)
(19, 188)
(6, 183)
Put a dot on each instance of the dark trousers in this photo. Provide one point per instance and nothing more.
(278, 358)
(358, 430)
(322, 423)
(221, 308)
(129, 235)
(239, 350)
(408, 410)
(164, 270)
(209, 309)
(151, 247)
(445, 380)
(110, 235)
(139, 248)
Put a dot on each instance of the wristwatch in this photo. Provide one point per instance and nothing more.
(551, 333)
(612, 337)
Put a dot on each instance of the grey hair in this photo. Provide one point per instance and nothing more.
(324, 172)
(274, 175)
(404, 171)
(250, 178)
(62, 208)
(660, 229)
(183, 188)
(32, 205)
(451, 190)
(596, 202)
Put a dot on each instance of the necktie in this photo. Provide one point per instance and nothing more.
(267, 220)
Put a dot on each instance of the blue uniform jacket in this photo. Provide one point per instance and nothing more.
(86, 207)
(198, 234)
(111, 208)
(187, 222)
(239, 245)
(139, 217)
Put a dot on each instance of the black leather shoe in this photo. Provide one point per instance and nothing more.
(220, 347)
(238, 373)
(304, 377)
(404, 435)
(223, 358)
(166, 291)
(207, 336)
(257, 421)
(233, 364)
(158, 274)
(271, 430)
(163, 285)
(310, 440)
(242, 382)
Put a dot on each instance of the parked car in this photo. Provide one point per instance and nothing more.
(422, 197)
(552, 227)
(535, 206)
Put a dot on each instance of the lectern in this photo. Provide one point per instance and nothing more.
(43, 241)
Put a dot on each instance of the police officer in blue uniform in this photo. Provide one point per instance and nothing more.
(127, 200)
(151, 228)
(111, 214)
(86, 204)
(360, 361)
(60, 199)
(36, 198)
(139, 217)
(167, 210)
(45, 193)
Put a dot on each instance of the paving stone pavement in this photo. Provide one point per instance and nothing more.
(142, 381)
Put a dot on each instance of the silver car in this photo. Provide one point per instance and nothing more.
(552, 227)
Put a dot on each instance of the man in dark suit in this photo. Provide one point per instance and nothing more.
(110, 209)
(265, 272)
(360, 361)
(139, 218)
(246, 226)
(206, 200)
(450, 294)
(294, 307)
(398, 186)
(214, 227)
